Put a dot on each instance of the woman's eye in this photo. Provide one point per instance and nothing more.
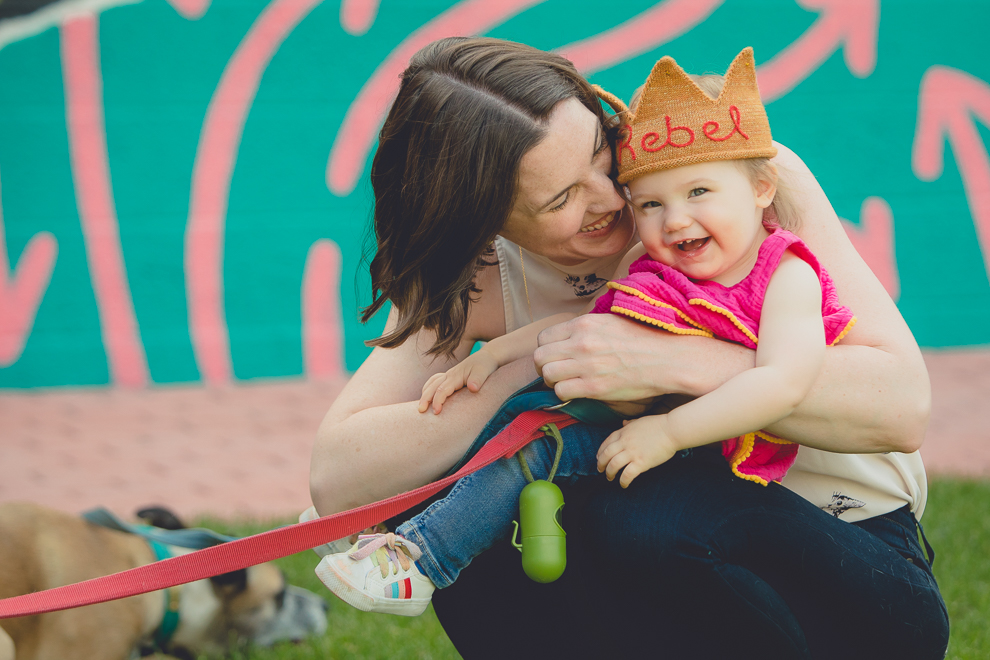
(562, 204)
(698, 191)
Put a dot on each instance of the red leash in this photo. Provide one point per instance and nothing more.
(273, 544)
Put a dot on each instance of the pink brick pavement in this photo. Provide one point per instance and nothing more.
(244, 450)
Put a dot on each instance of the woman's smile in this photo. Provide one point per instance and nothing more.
(606, 222)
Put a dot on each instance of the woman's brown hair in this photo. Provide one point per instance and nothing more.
(446, 170)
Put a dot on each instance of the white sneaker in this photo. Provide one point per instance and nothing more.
(378, 574)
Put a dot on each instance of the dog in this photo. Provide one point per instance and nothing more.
(41, 548)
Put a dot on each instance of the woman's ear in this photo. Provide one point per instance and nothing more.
(766, 187)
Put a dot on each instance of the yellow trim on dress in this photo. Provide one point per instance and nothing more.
(732, 317)
(660, 324)
(656, 303)
(746, 445)
(772, 438)
(845, 331)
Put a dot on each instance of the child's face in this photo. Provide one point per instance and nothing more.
(705, 220)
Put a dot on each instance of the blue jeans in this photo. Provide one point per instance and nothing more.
(693, 562)
(480, 507)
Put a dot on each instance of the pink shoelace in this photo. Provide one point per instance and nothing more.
(390, 548)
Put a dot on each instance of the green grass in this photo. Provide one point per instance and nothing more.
(352, 634)
(957, 523)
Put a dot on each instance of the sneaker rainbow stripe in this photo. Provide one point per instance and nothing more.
(401, 590)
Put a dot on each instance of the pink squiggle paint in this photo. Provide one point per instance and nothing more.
(854, 23)
(873, 238)
(357, 16)
(323, 330)
(358, 130)
(94, 197)
(212, 171)
(638, 35)
(947, 101)
(22, 289)
(191, 9)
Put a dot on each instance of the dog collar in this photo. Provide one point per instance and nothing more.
(170, 621)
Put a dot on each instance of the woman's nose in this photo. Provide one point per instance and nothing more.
(605, 196)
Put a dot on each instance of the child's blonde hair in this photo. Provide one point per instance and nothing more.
(782, 211)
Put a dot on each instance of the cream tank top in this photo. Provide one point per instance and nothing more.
(848, 486)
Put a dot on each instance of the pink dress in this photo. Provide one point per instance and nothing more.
(662, 296)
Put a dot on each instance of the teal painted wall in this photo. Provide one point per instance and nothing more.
(161, 65)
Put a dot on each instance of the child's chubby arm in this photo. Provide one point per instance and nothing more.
(474, 370)
(789, 356)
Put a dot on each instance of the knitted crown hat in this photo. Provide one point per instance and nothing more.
(676, 123)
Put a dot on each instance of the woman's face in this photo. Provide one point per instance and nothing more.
(567, 208)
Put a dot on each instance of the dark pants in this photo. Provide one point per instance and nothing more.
(693, 562)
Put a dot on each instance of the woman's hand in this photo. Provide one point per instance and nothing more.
(472, 372)
(639, 445)
(610, 358)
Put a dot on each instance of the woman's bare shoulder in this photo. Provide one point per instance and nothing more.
(879, 321)
(486, 316)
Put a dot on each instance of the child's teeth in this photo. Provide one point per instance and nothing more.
(690, 244)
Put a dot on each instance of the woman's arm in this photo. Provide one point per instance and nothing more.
(373, 442)
(872, 394)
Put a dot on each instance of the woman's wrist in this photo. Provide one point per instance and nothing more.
(690, 365)
(605, 357)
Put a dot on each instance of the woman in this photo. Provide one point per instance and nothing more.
(496, 144)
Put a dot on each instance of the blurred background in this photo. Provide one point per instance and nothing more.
(184, 208)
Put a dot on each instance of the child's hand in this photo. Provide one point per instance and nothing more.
(472, 372)
(639, 445)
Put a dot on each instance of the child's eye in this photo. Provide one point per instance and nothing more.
(697, 191)
(650, 205)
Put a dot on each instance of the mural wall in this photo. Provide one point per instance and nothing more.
(183, 183)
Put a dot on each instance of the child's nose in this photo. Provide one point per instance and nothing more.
(674, 220)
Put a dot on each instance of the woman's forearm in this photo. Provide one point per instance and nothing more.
(380, 451)
(866, 399)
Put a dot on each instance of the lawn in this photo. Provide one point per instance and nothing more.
(957, 523)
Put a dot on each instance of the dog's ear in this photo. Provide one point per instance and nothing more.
(228, 585)
(161, 517)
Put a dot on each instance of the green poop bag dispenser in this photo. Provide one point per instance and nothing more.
(543, 547)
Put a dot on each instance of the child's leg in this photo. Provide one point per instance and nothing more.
(481, 506)
(377, 574)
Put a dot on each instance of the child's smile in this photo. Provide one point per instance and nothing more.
(704, 220)
(692, 246)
